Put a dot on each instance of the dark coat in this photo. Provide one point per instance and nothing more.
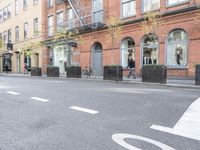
(131, 63)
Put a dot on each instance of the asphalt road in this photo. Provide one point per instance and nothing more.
(38, 114)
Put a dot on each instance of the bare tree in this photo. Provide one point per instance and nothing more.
(114, 31)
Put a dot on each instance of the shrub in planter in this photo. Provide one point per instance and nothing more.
(53, 71)
(36, 71)
(154, 73)
(197, 75)
(73, 72)
(113, 72)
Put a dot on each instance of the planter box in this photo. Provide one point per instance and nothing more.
(197, 75)
(36, 71)
(154, 73)
(113, 73)
(53, 72)
(73, 72)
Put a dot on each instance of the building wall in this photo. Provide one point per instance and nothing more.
(27, 15)
(185, 21)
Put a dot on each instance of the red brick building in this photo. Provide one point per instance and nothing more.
(176, 44)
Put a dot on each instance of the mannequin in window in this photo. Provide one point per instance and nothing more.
(179, 55)
(154, 56)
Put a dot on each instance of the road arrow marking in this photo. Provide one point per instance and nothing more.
(84, 110)
(39, 99)
(188, 125)
(13, 93)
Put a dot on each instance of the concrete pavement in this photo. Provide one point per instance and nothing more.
(171, 82)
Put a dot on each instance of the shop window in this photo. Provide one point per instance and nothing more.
(177, 48)
(150, 49)
(127, 51)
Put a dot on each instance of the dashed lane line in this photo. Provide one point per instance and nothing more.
(39, 99)
(93, 112)
(13, 93)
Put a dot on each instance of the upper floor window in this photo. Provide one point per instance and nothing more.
(5, 33)
(9, 36)
(35, 27)
(35, 2)
(50, 3)
(25, 30)
(97, 11)
(59, 1)
(25, 4)
(5, 13)
(174, 2)
(149, 5)
(70, 18)
(50, 26)
(9, 11)
(16, 7)
(17, 33)
(128, 8)
(59, 20)
(1, 15)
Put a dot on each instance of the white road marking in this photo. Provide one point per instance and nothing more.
(120, 139)
(84, 110)
(39, 99)
(13, 93)
(188, 125)
(126, 90)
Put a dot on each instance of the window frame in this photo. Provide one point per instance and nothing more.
(35, 26)
(49, 28)
(142, 6)
(177, 3)
(166, 51)
(121, 9)
(96, 12)
(26, 30)
(17, 33)
(16, 7)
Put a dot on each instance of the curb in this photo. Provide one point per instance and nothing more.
(111, 81)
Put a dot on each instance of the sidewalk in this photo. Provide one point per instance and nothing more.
(171, 82)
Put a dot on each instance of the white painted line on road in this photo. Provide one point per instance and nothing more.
(39, 99)
(120, 139)
(84, 110)
(175, 132)
(13, 93)
(188, 125)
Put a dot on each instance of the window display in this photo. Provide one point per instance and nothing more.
(127, 51)
(177, 48)
(150, 50)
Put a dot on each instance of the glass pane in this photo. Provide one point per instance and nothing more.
(97, 5)
(98, 17)
(177, 48)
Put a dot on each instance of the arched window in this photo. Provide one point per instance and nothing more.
(150, 49)
(127, 51)
(177, 48)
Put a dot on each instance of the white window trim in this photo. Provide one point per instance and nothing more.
(121, 9)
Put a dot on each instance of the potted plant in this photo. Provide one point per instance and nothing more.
(53, 71)
(73, 71)
(197, 75)
(154, 73)
(113, 72)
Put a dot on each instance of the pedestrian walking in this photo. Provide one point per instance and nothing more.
(25, 68)
(6, 68)
(131, 66)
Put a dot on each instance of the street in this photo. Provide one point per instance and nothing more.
(57, 114)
